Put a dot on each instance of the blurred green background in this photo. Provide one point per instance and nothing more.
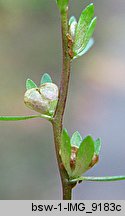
(30, 45)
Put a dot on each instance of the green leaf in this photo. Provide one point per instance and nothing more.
(99, 179)
(30, 84)
(62, 4)
(89, 33)
(97, 145)
(76, 139)
(45, 79)
(82, 31)
(86, 49)
(52, 107)
(65, 149)
(84, 156)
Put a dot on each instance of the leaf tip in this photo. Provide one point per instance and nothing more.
(72, 19)
(88, 137)
(91, 4)
(30, 84)
(46, 78)
(95, 19)
(97, 145)
(76, 139)
(64, 131)
(91, 7)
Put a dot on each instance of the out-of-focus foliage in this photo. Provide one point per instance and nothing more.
(20, 4)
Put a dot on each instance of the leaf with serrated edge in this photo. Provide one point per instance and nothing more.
(30, 84)
(65, 150)
(82, 27)
(84, 156)
(45, 79)
(76, 139)
(97, 146)
(87, 48)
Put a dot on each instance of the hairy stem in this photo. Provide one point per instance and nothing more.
(58, 118)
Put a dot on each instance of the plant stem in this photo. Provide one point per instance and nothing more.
(58, 118)
(65, 69)
(99, 179)
(20, 118)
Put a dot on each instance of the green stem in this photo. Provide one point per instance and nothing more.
(99, 179)
(67, 191)
(65, 70)
(19, 118)
(58, 118)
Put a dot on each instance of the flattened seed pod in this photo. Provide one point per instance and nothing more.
(49, 91)
(43, 99)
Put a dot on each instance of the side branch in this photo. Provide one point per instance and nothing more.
(99, 179)
(20, 118)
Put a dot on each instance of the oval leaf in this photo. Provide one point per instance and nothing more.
(84, 156)
(89, 34)
(65, 150)
(30, 84)
(87, 48)
(76, 139)
(97, 145)
(82, 27)
(45, 79)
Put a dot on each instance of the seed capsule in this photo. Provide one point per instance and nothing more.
(43, 99)
(74, 151)
(95, 160)
(49, 91)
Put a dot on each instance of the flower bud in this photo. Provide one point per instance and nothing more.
(43, 99)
